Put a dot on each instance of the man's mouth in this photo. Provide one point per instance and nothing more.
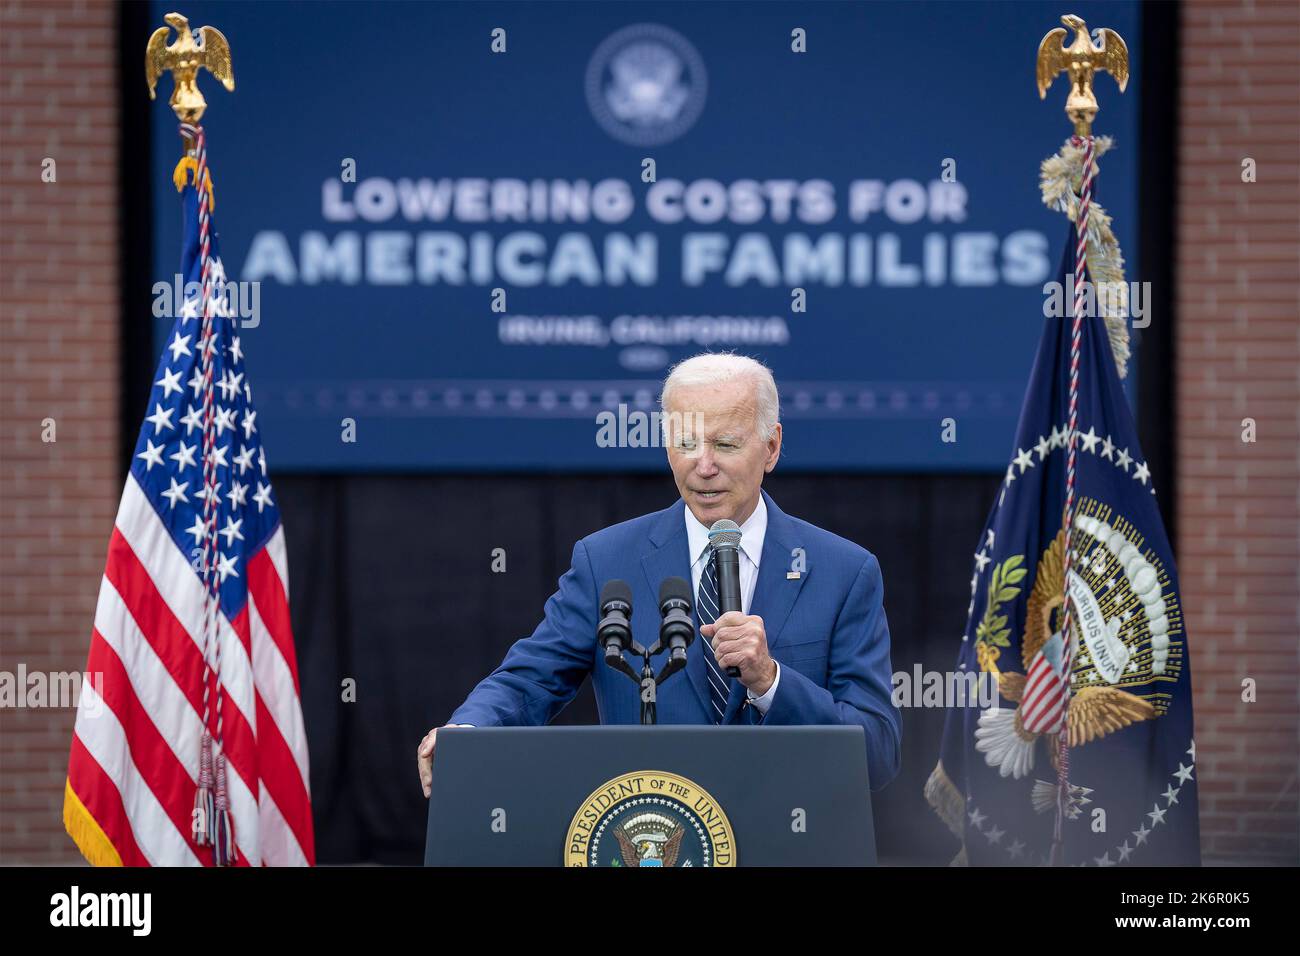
(708, 495)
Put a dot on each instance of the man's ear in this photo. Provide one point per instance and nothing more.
(774, 449)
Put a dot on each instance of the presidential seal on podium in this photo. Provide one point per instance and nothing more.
(650, 818)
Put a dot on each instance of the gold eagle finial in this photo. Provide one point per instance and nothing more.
(1081, 59)
(184, 59)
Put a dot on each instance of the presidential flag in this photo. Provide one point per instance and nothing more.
(1124, 787)
(195, 752)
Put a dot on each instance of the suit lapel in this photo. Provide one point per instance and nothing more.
(669, 557)
(775, 592)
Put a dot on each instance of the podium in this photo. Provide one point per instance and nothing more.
(670, 795)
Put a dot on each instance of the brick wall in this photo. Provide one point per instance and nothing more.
(59, 331)
(1238, 356)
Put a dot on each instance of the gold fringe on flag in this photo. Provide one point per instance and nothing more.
(946, 801)
(1060, 179)
(91, 840)
(188, 169)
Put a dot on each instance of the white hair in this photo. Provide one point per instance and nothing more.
(714, 368)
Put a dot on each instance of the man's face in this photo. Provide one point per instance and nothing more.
(715, 451)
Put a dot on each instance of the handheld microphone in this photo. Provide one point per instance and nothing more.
(614, 631)
(725, 538)
(676, 629)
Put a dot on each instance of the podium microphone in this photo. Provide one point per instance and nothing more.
(614, 631)
(725, 538)
(676, 629)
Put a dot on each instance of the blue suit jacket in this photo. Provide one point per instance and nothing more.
(827, 629)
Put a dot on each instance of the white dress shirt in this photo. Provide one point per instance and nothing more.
(752, 533)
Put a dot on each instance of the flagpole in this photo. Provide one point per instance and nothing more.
(191, 52)
(1081, 60)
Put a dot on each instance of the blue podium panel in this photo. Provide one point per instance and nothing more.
(650, 796)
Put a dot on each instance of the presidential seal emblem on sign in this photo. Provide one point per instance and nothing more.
(646, 85)
(650, 818)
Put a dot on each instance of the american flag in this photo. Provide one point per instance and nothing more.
(172, 660)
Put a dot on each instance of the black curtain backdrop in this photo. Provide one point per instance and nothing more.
(392, 587)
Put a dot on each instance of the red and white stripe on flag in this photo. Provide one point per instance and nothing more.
(132, 773)
(1046, 695)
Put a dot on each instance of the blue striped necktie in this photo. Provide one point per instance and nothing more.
(706, 604)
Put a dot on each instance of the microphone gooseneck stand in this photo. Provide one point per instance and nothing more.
(676, 631)
(647, 680)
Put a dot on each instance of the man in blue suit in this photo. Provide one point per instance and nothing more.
(812, 643)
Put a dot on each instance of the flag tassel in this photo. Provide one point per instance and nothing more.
(203, 802)
(223, 838)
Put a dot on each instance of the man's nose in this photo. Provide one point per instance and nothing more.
(705, 465)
